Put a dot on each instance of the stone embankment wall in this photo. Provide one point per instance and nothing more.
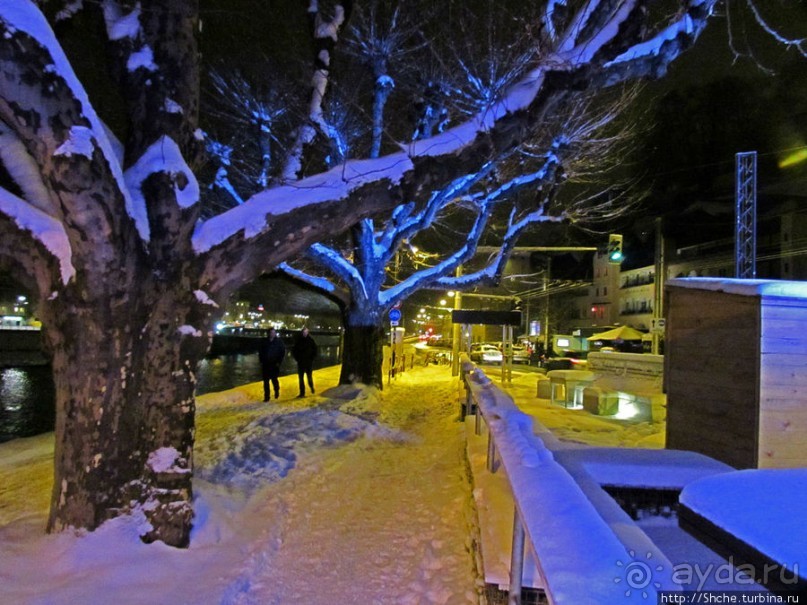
(21, 347)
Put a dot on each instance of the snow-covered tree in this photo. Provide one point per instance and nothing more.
(128, 274)
(387, 45)
(385, 262)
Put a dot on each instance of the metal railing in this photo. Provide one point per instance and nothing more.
(553, 515)
(476, 396)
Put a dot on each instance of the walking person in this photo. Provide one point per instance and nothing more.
(271, 354)
(304, 353)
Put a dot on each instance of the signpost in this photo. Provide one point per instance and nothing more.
(394, 320)
(506, 319)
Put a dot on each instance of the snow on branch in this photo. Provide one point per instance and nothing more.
(24, 171)
(364, 274)
(320, 283)
(549, 18)
(399, 218)
(440, 275)
(254, 216)
(44, 228)
(404, 227)
(340, 266)
(79, 141)
(121, 25)
(71, 7)
(330, 29)
(324, 32)
(577, 25)
(164, 156)
(584, 51)
(337, 263)
(223, 153)
(495, 266)
(426, 277)
(652, 54)
(521, 181)
(652, 47)
(26, 18)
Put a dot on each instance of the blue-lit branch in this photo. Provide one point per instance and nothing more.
(441, 273)
(493, 270)
(320, 283)
(407, 229)
(364, 275)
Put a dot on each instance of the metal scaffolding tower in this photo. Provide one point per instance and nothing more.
(746, 215)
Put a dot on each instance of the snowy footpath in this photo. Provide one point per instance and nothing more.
(350, 496)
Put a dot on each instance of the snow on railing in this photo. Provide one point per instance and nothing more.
(579, 556)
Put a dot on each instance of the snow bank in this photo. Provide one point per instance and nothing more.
(267, 449)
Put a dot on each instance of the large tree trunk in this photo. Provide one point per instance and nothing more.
(124, 376)
(363, 351)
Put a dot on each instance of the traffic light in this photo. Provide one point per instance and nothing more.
(615, 249)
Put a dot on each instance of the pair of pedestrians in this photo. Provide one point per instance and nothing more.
(271, 354)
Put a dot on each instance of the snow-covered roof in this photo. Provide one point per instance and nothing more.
(743, 287)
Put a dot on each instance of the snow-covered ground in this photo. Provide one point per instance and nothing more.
(350, 496)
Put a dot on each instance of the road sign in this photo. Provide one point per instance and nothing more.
(395, 315)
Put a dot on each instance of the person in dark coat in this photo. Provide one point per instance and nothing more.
(271, 354)
(304, 352)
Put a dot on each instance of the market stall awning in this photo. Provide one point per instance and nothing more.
(620, 333)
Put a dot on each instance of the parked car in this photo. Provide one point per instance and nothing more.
(485, 353)
(520, 354)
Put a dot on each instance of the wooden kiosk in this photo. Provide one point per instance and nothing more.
(736, 370)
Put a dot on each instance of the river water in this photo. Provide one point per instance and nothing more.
(27, 394)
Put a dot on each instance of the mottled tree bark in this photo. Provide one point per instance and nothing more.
(124, 377)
